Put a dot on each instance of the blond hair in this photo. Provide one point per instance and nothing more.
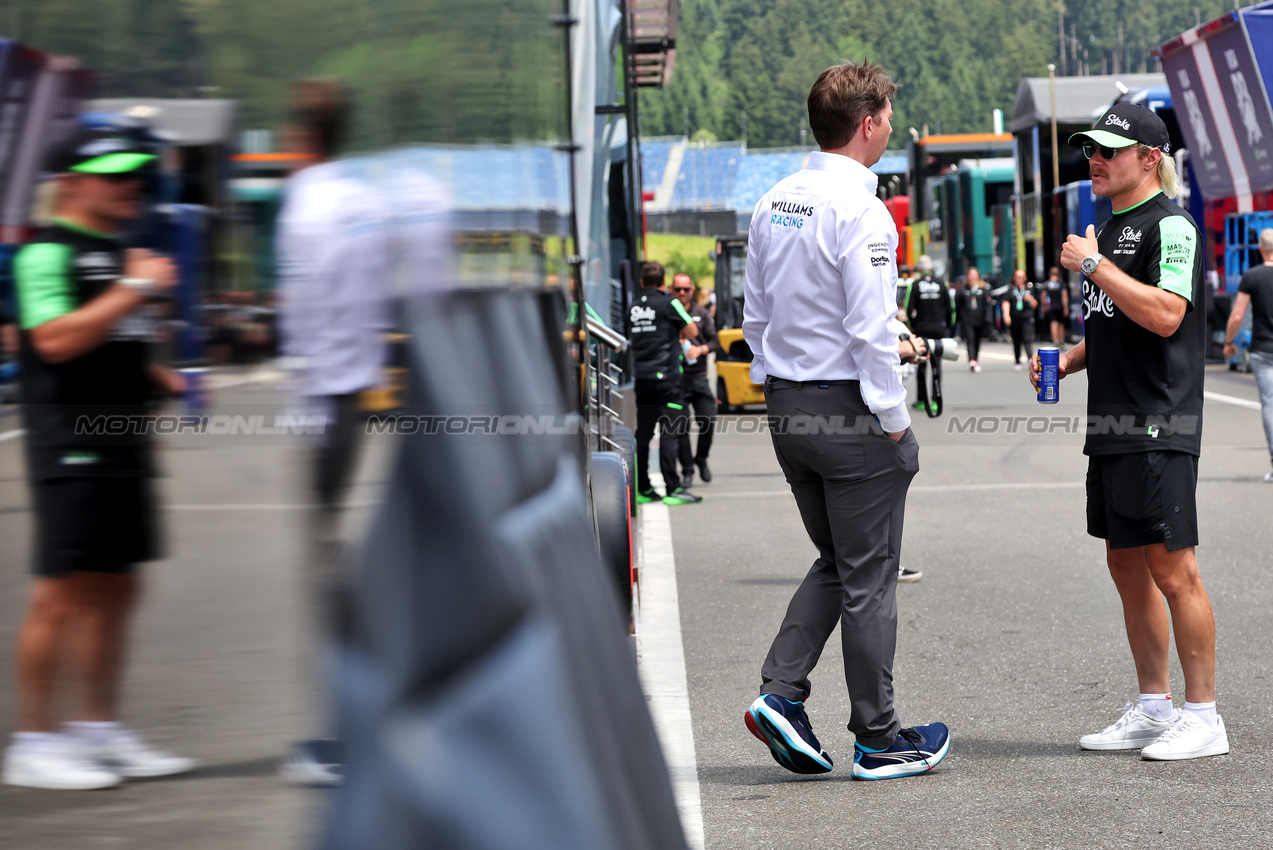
(1167, 177)
(1266, 241)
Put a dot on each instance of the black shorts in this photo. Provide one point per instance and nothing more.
(1138, 499)
(100, 525)
(1056, 316)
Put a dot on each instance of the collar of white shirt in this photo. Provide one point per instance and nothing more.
(840, 164)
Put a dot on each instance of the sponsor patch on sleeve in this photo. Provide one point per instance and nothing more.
(1179, 247)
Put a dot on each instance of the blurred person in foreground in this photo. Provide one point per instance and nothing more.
(697, 390)
(1144, 350)
(82, 304)
(820, 317)
(659, 326)
(1256, 291)
(1019, 309)
(333, 258)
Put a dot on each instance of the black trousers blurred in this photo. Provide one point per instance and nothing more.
(700, 402)
(659, 403)
(1022, 337)
(972, 339)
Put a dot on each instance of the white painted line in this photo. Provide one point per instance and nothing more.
(1229, 399)
(260, 376)
(9, 435)
(661, 658)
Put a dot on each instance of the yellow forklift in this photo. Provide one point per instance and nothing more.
(734, 389)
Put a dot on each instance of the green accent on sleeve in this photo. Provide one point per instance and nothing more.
(680, 310)
(39, 276)
(676, 406)
(1179, 246)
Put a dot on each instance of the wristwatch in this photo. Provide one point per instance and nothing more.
(142, 285)
(1090, 263)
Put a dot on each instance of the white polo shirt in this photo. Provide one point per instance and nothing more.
(821, 285)
(332, 248)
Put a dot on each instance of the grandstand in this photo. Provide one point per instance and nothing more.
(692, 183)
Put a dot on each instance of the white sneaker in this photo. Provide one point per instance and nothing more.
(128, 755)
(1135, 729)
(58, 764)
(1190, 737)
(1016, 367)
(976, 367)
(906, 576)
(1268, 476)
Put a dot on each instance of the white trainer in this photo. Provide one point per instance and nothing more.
(58, 764)
(128, 755)
(1135, 729)
(1190, 737)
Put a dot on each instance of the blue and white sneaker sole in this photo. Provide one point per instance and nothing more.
(906, 768)
(788, 748)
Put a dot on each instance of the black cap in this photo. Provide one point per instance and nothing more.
(98, 152)
(1125, 124)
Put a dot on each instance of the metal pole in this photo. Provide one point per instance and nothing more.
(1056, 154)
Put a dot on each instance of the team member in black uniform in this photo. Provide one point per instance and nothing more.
(697, 390)
(1144, 352)
(1256, 291)
(85, 332)
(1056, 310)
(658, 324)
(928, 313)
(1019, 308)
(973, 308)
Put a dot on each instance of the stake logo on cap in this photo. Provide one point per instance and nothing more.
(1125, 124)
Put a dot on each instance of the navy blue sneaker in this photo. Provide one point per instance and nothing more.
(916, 750)
(784, 728)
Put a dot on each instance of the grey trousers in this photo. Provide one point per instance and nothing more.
(850, 482)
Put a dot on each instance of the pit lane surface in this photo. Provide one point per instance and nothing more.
(1013, 637)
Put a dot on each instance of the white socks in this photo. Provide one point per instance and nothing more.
(94, 733)
(1204, 711)
(1157, 706)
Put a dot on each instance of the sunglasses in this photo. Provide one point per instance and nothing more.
(1090, 149)
(682, 289)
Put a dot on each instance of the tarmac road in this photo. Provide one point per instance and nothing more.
(1013, 638)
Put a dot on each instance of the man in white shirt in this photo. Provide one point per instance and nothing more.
(333, 259)
(819, 316)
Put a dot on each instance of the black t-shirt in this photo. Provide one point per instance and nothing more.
(1144, 391)
(83, 417)
(702, 317)
(1018, 307)
(973, 305)
(928, 304)
(1258, 283)
(1053, 292)
(656, 319)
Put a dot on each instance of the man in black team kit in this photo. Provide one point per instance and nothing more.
(700, 401)
(1144, 352)
(928, 312)
(85, 332)
(1019, 306)
(658, 324)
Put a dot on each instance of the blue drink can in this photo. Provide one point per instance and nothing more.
(1049, 375)
(196, 395)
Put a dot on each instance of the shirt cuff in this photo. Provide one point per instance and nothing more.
(894, 419)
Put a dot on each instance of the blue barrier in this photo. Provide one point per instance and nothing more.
(1242, 244)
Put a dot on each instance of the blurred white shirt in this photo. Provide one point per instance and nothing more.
(822, 282)
(332, 249)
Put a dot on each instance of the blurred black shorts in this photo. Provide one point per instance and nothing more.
(101, 525)
(1138, 499)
